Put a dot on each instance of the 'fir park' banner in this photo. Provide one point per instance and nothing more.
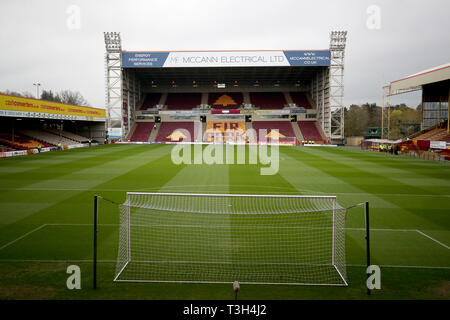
(12, 106)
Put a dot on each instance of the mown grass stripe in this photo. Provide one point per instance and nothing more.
(346, 172)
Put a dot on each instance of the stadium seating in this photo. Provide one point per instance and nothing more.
(151, 99)
(429, 134)
(20, 142)
(268, 100)
(69, 135)
(284, 128)
(229, 100)
(5, 148)
(175, 132)
(309, 131)
(440, 136)
(299, 98)
(183, 101)
(225, 131)
(48, 137)
(142, 131)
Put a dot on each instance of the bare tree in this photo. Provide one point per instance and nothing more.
(72, 97)
(50, 96)
(24, 94)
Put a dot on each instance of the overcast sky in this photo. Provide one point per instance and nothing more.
(45, 41)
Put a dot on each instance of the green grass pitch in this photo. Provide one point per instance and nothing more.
(46, 215)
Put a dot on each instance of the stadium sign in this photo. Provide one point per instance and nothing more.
(274, 112)
(438, 145)
(183, 59)
(182, 112)
(12, 106)
(115, 133)
(298, 111)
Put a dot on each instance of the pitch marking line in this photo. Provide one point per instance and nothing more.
(115, 261)
(115, 225)
(308, 192)
(431, 238)
(86, 224)
(50, 224)
(414, 230)
(23, 236)
(399, 266)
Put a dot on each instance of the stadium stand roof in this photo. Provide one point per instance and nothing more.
(185, 76)
(436, 74)
(241, 66)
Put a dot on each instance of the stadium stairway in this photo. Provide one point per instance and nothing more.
(322, 132)
(287, 97)
(163, 99)
(140, 103)
(205, 97)
(298, 133)
(246, 97)
(203, 131)
(198, 133)
(154, 133)
(131, 131)
(248, 126)
(312, 103)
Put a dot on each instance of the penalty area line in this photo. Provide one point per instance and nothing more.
(115, 261)
(56, 260)
(23, 236)
(433, 239)
(399, 266)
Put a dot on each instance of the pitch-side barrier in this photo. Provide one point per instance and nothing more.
(33, 151)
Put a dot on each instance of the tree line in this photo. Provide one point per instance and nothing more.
(404, 120)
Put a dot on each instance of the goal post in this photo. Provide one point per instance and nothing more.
(222, 238)
(289, 141)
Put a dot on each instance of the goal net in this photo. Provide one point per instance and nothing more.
(221, 238)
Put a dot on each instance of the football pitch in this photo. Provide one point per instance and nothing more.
(46, 219)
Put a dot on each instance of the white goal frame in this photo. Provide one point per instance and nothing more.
(127, 225)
